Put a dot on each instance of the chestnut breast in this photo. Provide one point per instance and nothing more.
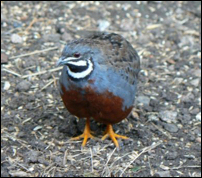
(103, 107)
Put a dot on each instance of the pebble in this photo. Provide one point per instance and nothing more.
(195, 82)
(197, 73)
(162, 174)
(168, 116)
(171, 155)
(191, 137)
(198, 117)
(143, 100)
(103, 25)
(143, 38)
(127, 24)
(4, 58)
(186, 118)
(178, 80)
(66, 37)
(189, 156)
(15, 38)
(195, 111)
(3, 17)
(32, 156)
(171, 127)
(135, 114)
(18, 173)
(17, 24)
(153, 118)
(23, 86)
(7, 85)
(198, 139)
(126, 6)
(188, 97)
(51, 37)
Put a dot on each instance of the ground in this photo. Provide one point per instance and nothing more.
(165, 124)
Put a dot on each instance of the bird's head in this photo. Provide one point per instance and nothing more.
(78, 59)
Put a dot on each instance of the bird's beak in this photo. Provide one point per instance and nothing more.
(63, 61)
(60, 62)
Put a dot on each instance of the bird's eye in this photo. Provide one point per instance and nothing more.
(77, 55)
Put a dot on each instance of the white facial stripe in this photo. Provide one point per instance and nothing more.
(70, 59)
(78, 63)
(80, 75)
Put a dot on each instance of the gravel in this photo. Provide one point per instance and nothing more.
(165, 125)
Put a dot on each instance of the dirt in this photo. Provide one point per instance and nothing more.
(165, 124)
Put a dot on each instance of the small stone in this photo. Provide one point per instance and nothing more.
(171, 155)
(39, 127)
(189, 156)
(4, 58)
(195, 82)
(15, 38)
(18, 173)
(197, 73)
(198, 139)
(32, 156)
(127, 24)
(143, 100)
(191, 138)
(153, 118)
(162, 174)
(23, 86)
(171, 128)
(103, 25)
(198, 117)
(3, 17)
(135, 114)
(11, 129)
(51, 37)
(195, 111)
(178, 80)
(66, 37)
(17, 24)
(143, 38)
(168, 116)
(186, 117)
(7, 85)
(126, 6)
(188, 97)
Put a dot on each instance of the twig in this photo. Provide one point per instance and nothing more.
(65, 158)
(110, 156)
(32, 23)
(91, 153)
(180, 167)
(34, 74)
(143, 151)
(26, 120)
(11, 72)
(42, 72)
(55, 80)
(34, 52)
(49, 83)
(108, 160)
(163, 131)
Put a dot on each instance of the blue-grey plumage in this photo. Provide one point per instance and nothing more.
(112, 71)
(99, 80)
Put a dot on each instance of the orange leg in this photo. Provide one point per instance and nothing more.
(109, 132)
(86, 134)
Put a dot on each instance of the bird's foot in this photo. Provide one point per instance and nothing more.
(86, 134)
(109, 132)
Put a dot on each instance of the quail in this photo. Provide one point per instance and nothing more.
(99, 81)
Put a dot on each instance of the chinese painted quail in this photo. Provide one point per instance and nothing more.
(99, 80)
